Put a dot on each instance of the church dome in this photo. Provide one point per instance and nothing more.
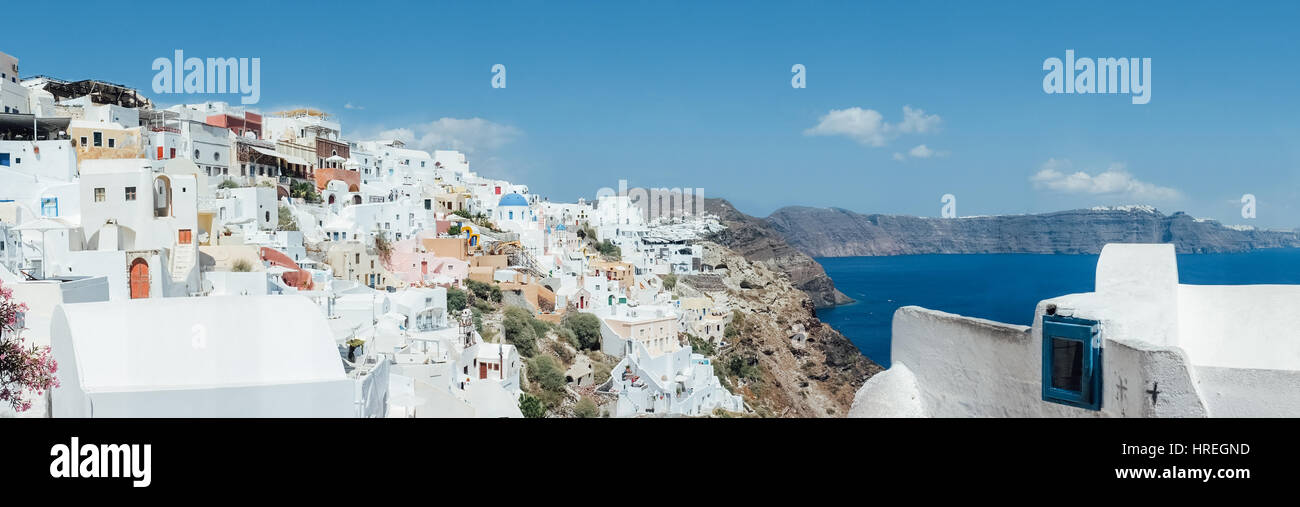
(513, 200)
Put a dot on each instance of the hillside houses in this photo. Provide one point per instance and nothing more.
(227, 225)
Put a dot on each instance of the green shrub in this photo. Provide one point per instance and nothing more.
(670, 281)
(546, 373)
(600, 372)
(568, 336)
(241, 266)
(540, 327)
(484, 291)
(287, 222)
(586, 409)
(519, 332)
(701, 345)
(531, 406)
(456, 299)
(228, 184)
(562, 351)
(586, 327)
(608, 249)
(453, 230)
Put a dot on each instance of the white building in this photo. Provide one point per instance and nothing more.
(1141, 345)
(13, 95)
(256, 356)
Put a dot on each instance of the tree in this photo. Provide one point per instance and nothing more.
(608, 249)
(383, 247)
(586, 409)
(531, 406)
(305, 191)
(24, 369)
(586, 327)
(456, 299)
(228, 184)
(484, 291)
(519, 330)
(287, 222)
(670, 281)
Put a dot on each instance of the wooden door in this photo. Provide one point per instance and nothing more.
(183, 236)
(139, 279)
(482, 370)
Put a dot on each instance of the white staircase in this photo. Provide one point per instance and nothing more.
(184, 256)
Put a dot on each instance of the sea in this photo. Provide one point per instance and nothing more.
(1003, 287)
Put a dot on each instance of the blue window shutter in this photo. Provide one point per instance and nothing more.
(1072, 362)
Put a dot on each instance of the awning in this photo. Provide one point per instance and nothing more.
(287, 158)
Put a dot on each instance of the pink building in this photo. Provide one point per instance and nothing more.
(414, 267)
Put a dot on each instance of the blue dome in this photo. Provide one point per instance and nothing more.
(560, 227)
(513, 200)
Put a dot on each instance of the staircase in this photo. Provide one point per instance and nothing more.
(183, 258)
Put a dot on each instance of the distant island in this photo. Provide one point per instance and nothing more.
(834, 232)
(789, 238)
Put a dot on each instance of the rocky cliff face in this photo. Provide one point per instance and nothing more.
(756, 240)
(782, 359)
(834, 232)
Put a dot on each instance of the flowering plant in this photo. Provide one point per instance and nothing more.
(24, 368)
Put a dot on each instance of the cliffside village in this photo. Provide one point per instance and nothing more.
(209, 260)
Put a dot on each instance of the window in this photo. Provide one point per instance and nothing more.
(1072, 362)
(173, 153)
(216, 156)
(112, 143)
(49, 206)
(130, 193)
(196, 154)
(83, 141)
(99, 138)
(99, 194)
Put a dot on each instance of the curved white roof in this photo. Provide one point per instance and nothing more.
(186, 343)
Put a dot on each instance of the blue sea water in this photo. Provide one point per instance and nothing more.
(1003, 287)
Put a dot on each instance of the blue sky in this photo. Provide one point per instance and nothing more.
(684, 94)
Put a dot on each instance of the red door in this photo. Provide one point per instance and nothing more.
(482, 370)
(183, 236)
(424, 268)
(139, 279)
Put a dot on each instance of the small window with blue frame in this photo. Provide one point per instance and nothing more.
(49, 206)
(1072, 362)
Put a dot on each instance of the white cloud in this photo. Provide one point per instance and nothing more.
(915, 121)
(920, 151)
(868, 126)
(468, 135)
(350, 106)
(1055, 175)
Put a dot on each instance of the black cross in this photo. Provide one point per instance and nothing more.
(1154, 392)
